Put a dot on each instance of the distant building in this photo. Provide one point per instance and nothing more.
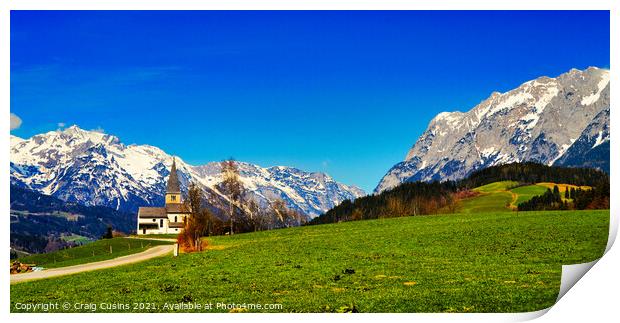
(168, 219)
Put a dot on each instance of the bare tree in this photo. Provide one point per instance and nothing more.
(284, 216)
(197, 225)
(279, 210)
(254, 215)
(232, 187)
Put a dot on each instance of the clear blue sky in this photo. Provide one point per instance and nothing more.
(347, 93)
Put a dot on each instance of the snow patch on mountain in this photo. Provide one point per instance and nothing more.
(590, 99)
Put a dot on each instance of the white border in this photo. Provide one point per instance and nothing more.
(594, 296)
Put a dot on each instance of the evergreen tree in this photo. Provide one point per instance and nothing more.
(108, 233)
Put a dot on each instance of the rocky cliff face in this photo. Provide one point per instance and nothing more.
(591, 149)
(539, 121)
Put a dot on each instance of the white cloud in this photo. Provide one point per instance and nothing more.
(99, 130)
(16, 121)
(61, 125)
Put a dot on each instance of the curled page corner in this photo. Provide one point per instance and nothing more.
(571, 274)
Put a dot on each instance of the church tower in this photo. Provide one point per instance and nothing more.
(173, 189)
(169, 219)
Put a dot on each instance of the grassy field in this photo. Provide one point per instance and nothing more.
(506, 196)
(497, 186)
(492, 262)
(76, 238)
(525, 193)
(95, 251)
(494, 197)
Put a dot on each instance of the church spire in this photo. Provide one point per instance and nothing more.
(173, 181)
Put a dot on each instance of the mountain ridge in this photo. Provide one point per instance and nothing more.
(537, 121)
(94, 168)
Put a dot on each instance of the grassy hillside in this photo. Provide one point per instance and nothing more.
(506, 195)
(492, 262)
(493, 197)
(496, 186)
(525, 193)
(95, 251)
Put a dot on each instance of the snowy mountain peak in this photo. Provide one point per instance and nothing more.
(95, 168)
(537, 121)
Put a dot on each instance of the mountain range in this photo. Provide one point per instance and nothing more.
(94, 168)
(561, 121)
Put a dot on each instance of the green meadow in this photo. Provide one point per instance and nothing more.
(505, 196)
(525, 193)
(478, 262)
(494, 197)
(91, 252)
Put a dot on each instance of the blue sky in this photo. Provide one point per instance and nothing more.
(346, 93)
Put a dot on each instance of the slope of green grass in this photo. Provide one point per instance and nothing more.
(76, 238)
(487, 202)
(91, 252)
(496, 186)
(494, 197)
(505, 196)
(492, 262)
(525, 193)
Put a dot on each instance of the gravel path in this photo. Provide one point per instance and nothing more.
(156, 251)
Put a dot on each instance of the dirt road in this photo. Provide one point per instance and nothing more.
(156, 251)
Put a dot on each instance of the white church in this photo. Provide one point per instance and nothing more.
(169, 218)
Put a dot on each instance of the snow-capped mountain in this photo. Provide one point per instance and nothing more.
(542, 120)
(93, 168)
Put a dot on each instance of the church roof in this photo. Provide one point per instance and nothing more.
(173, 181)
(152, 212)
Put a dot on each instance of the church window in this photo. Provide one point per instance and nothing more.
(161, 222)
(175, 218)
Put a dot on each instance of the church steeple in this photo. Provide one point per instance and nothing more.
(173, 189)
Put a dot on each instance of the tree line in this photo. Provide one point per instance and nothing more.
(531, 172)
(414, 198)
(596, 197)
